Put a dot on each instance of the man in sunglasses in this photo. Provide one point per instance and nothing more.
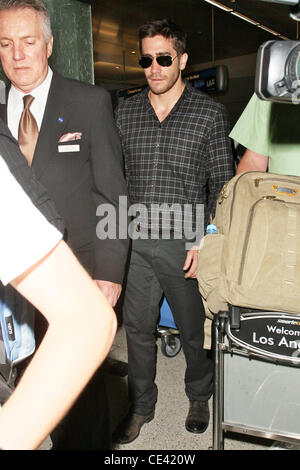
(177, 154)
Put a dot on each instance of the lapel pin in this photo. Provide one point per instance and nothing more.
(60, 119)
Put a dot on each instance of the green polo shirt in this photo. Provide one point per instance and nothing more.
(273, 130)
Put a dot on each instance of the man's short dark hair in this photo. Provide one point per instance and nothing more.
(165, 28)
(36, 5)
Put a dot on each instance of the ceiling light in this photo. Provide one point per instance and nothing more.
(245, 18)
(219, 5)
(271, 31)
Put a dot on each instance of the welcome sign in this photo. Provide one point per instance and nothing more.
(275, 335)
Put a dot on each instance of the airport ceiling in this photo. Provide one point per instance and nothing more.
(212, 33)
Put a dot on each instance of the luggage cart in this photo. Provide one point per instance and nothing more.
(257, 376)
(168, 331)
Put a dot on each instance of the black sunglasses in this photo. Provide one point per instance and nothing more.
(163, 60)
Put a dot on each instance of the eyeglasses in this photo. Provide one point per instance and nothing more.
(163, 60)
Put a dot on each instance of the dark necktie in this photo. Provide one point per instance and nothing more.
(28, 130)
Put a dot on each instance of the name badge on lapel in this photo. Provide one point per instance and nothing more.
(69, 148)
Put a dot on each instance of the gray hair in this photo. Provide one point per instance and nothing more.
(36, 5)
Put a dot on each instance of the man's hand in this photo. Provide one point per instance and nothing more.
(111, 290)
(191, 263)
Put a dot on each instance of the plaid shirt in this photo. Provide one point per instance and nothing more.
(183, 160)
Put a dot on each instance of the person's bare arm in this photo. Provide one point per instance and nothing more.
(252, 161)
(81, 329)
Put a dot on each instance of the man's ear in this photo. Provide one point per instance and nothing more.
(50, 47)
(183, 61)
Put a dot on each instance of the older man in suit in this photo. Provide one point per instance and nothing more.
(67, 133)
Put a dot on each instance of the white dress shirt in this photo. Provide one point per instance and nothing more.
(15, 104)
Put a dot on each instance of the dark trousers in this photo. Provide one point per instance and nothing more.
(156, 268)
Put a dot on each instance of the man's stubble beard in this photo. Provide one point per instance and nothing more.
(168, 85)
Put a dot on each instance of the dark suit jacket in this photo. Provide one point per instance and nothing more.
(79, 181)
